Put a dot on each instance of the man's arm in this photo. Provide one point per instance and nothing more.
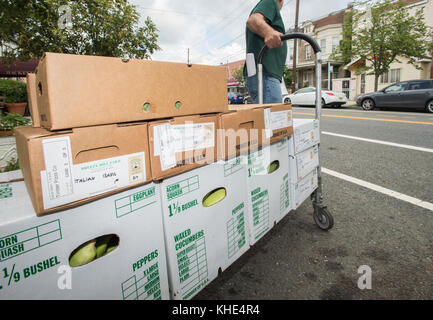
(257, 24)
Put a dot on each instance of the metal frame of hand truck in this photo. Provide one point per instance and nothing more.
(322, 217)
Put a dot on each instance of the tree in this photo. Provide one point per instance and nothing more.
(344, 51)
(91, 27)
(288, 77)
(385, 32)
(238, 74)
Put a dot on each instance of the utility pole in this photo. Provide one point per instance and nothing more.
(295, 48)
(188, 62)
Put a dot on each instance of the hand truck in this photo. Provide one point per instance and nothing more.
(322, 217)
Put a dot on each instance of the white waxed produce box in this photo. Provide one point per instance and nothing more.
(201, 240)
(35, 251)
(268, 187)
(303, 163)
(303, 189)
(306, 134)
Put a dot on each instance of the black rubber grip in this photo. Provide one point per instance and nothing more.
(289, 36)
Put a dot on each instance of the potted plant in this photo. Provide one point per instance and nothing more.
(11, 120)
(15, 93)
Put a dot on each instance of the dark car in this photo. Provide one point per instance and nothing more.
(406, 94)
(235, 98)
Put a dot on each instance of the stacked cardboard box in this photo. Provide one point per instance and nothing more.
(88, 170)
(303, 159)
(103, 130)
(35, 251)
(93, 118)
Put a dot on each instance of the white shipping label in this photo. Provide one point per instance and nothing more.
(307, 160)
(94, 178)
(188, 137)
(165, 145)
(58, 167)
(306, 136)
(281, 119)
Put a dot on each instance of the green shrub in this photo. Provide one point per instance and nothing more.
(14, 91)
(12, 165)
(12, 120)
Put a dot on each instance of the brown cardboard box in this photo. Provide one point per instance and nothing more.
(271, 123)
(32, 99)
(183, 143)
(67, 168)
(77, 90)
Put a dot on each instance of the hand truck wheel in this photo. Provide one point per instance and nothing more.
(322, 217)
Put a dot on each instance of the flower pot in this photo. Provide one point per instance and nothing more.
(17, 107)
(6, 133)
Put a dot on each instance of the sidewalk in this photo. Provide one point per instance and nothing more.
(350, 103)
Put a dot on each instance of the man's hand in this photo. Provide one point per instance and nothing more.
(273, 39)
(257, 24)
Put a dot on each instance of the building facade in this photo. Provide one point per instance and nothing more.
(399, 71)
(327, 31)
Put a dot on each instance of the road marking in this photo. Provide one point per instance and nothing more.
(398, 113)
(406, 146)
(375, 187)
(363, 118)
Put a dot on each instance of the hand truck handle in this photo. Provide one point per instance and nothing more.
(289, 36)
(318, 62)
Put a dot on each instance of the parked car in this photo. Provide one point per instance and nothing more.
(235, 98)
(307, 97)
(406, 94)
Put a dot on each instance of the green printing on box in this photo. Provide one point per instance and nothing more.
(231, 167)
(30, 239)
(182, 187)
(144, 287)
(236, 230)
(260, 202)
(134, 202)
(191, 261)
(5, 191)
(284, 195)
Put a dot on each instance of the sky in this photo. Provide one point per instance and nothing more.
(214, 31)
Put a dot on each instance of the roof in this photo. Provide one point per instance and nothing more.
(18, 69)
(333, 18)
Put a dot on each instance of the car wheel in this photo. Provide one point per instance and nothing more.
(367, 104)
(287, 101)
(429, 106)
(323, 102)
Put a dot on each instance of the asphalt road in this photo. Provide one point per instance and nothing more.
(393, 235)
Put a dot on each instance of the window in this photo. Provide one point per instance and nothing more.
(291, 52)
(307, 52)
(419, 85)
(384, 77)
(391, 76)
(395, 75)
(396, 87)
(323, 45)
(335, 43)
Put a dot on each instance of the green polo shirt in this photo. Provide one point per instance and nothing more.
(275, 59)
